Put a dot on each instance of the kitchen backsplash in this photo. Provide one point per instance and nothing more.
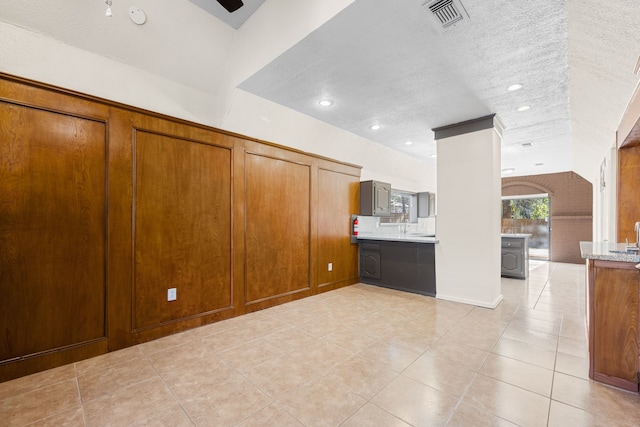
(370, 225)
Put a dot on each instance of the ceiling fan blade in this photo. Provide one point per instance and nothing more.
(231, 5)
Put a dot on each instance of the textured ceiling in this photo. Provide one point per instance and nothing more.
(392, 63)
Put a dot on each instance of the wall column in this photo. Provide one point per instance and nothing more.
(468, 221)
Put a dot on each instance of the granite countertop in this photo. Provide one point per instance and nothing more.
(409, 237)
(515, 235)
(603, 251)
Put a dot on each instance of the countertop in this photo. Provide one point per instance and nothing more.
(602, 251)
(515, 235)
(409, 237)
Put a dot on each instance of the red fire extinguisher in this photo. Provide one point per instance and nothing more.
(355, 226)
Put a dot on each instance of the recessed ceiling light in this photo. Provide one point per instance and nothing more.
(513, 87)
(433, 156)
(325, 102)
(507, 171)
(375, 127)
(408, 143)
(524, 108)
(527, 145)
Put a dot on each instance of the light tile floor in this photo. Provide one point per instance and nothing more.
(358, 356)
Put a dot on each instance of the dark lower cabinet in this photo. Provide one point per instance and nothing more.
(515, 257)
(370, 264)
(406, 266)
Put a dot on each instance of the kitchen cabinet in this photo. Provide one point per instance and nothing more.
(370, 260)
(515, 256)
(426, 204)
(405, 266)
(612, 323)
(375, 198)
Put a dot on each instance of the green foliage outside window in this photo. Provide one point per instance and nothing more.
(526, 208)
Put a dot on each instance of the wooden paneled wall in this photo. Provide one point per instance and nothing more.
(628, 192)
(103, 208)
(628, 143)
(337, 192)
(278, 250)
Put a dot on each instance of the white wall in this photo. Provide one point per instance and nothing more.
(257, 117)
(28, 54)
(468, 229)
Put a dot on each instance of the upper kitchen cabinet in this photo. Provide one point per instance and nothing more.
(426, 204)
(375, 198)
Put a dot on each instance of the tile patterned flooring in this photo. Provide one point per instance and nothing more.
(358, 356)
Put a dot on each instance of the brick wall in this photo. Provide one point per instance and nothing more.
(571, 206)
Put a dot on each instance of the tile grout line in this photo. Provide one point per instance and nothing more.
(175, 398)
(84, 415)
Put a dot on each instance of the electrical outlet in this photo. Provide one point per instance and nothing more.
(171, 294)
(330, 267)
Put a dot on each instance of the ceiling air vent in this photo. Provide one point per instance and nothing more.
(447, 12)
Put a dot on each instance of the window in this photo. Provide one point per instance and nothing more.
(404, 208)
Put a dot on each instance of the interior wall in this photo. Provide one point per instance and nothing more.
(571, 206)
(628, 192)
(628, 154)
(41, 58)
(104, 209)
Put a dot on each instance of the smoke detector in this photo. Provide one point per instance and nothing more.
(447, 12)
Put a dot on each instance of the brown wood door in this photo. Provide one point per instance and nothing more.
(52, 231)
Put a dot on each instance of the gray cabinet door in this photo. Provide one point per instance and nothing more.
(370, 264)
(375, 198)
(381, 199)
(512, 262)
(513, 257)
(426, 204)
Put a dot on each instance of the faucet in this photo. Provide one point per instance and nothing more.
(406, 222)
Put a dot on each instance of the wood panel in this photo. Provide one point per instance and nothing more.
(338, 198)
(278, 207)
(120, 229)
(182, 228)
(613, 329)
(628, 192)
(52, 231)
(628, 132)
(110, 200)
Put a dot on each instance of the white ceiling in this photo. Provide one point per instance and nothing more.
(389, 62)
(235, 19)
(392, 63)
